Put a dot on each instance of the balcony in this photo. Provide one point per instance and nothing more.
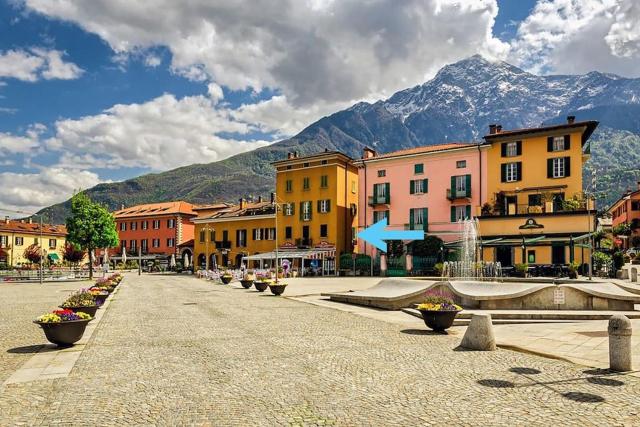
(417, 227)
(378, 200)
(457, 194)
(544, 209)
(304, 242)
(223, 244)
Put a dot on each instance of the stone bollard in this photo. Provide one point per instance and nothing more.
(619, 343)
(634, 274)
(479, 335)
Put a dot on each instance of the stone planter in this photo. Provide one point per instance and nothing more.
(261, 286)
(246, 283)
(64, 334)
(91, 311)
(100, 299)
(439, 321)
(226, 279)
(277, 289)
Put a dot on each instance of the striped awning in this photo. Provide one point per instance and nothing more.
(293, 253)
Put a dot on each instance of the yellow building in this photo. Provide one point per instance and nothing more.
(318, 197)
(16, 236)
(226, 234)
(536, 212)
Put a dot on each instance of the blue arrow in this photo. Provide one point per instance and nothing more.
(376, 234)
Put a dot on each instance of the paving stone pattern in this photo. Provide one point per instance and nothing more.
(239, 357)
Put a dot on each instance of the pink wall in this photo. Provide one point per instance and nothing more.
(439, 167)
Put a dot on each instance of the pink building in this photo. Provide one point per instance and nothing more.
(424, 188)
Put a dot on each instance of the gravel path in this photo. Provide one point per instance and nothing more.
(180, 351)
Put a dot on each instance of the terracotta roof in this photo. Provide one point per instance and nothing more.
(34, 228)
(313, 156)
(187, 244)
(155, 209)
(249, 209)
(220, 205)
(423, 150)
(590, 125)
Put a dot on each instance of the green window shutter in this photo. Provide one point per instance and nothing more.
(253, 233)
(310, 210)
(411, 219)
(503, 149)
(387, 193)
(519, 148)
(412, 187)
(318, 203)
(375, 194)
(503, 172)
(388, 215)
(418, 168)
(549, 168)
(468, 182)
(468, 213)
(567, 142)
(301, 210)
(453, 214)
(549, 143)
(567, 166)
(293, 208)
(453, 186)
(425, 185)
(425, 219)
(328, 205)
(519, 171)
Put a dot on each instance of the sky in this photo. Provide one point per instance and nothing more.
(104, 90)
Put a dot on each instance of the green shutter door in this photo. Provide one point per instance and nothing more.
(301, 210)
(567, 166)
(387, 192)
(412, 187)
(411, 219)
(328, 205)
(453, 214)
(425, 185)
(468, 183)
(468, 211)
(453, 187)
(425, 219)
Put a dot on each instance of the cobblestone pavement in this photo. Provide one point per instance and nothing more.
(179, 351)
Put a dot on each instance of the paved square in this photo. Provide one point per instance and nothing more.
(180, 351)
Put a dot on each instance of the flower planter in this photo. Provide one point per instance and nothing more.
(439, 321)
(246, 283)
(226, 279)
(277, 289)
(261, 286)
(91, 311)
(64, 334)
(100, 299)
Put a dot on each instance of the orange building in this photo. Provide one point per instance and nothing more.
(156, 229)
(626, 210)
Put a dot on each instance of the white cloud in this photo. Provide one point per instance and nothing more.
(160, 134)
(35, 64)
(152, 60)
(30, 192)
(311, 51)
(578, 36)
(215, 92)
(27, 144)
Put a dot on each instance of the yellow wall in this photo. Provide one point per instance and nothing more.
(574, 223)
(543, 254)
(342, 179)
(16, 252)
(220, 225)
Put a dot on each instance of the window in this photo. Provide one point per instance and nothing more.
(558, 168)
(52, 243)
(19, 241)
(324, 206)
(288, 167)
(287, 233)
(382, 173)
(635, 205)
(134, 226)
(289, 185)
(288, 209)
(324, 181)
(212, 235)
(512, 149)
(145, 225)
(271, 233)
(461, 185)
(461, 213)
(535, 200)
(461, 164)
(225, 235)
(380, 192)
(558, 143)
(305, 183)
(353, 187)
(418, 168)
(418, 186)
(306, 211)
(156, 224)
(132, 245)
(324, 162)
(156, 243)
(35, 241)
(202, 236)
(123, 226)
(417, 219)
(241, 238)
(380, 215)
(323, 230)
(4, 241)
(512, 172)
(257, 234)
(144, 245)
(171, 223)
(170, 242)
(305, 165)
(123, 244)
(531, 257)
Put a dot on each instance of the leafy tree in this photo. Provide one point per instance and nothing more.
(600, 260)
(429, 247)
(622, 229)
(33, 253)
(73, 254)
(90, 226)
(395, 248)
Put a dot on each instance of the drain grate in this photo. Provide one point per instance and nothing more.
(594, 334)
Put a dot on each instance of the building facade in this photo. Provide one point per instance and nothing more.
(626, 210)
(155, 229)
(536, 211)
(16, 236)
(318, 200)
(225, 235)
(424, 188)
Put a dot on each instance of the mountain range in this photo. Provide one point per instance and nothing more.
(458, 104)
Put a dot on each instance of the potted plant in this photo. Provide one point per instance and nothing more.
(63, 327)
(81, 300)
(247, 280)
(99, 295)
(262, 284)
(438, 311)
(277, 288)
(573, 270)
(226, 277)
(522, 269)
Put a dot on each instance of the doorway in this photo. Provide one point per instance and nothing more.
(558, 254)
(504, 256)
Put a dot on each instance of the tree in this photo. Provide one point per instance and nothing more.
(431, 246)
(395, 248)
(72, 253)
(90, 226)
(33, 253)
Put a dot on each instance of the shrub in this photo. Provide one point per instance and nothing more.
(622, 230)
(600, 260)
(33, 253)
(81, 298)
(618, 260)
(72, 254)
(438, 301)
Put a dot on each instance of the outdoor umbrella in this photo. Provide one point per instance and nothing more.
(186, 260)
(124, 255)
(172, 261)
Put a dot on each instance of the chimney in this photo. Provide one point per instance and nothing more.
(571, 119)
(122, 206)
(326, 150)
(498, 128)
(6, 219)
(367, 153)
(22, 221)
(492, 129)
(295, 154)
(289, 155)
(242, 203)
(259, 199)
(273, 197)
(30, 220)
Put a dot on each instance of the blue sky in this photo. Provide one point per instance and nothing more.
(105, 91)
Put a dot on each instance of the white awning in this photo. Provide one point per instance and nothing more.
(293, 253)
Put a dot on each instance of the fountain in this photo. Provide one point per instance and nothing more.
(468, 265)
